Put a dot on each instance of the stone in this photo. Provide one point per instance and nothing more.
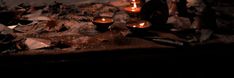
(39, 18)
(12, 26)
(34, 14)
(107, 14)
(119, 3)
(205, 34)
(121, 17)
(36, 43)
(179, 22)
(5, 30)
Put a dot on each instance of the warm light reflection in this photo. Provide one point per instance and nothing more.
(134, 8)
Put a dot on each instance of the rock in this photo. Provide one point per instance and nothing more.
(81, 40)
(2, 27)
(5, 30)
(121, 28)
(35, 43)
(87, 28)
(39, 18)
(6, 38)
(121, 17)
(191, 3)
(12, 26)
(205, 34)
(24, 28)
(90, 9)
(97, 6)
(179, 22)
(6, 43)
(109, 9)
(196, 23)
(34, 14)
(107, 14)
(170, 36)
(120, 3)
(39, 6)
(110, 37)
(79, 18)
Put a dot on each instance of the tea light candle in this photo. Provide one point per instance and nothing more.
(138, 27)
(139, 24)
(133, 9)
(103, 20)
(103, 23)
(142, 25)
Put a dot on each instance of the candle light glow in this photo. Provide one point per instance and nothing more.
(142, 25)
(103, 19)
(139, 24)
(134, 8)
(134, 5)
(138, 27)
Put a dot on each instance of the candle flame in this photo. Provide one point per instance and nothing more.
(142, 25)
(103, 19)
(134, 5)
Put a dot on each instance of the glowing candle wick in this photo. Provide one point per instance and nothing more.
(103, 19)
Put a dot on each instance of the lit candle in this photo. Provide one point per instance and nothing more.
(103, 23)
(138, 27)
(142, 25)
(133, 9)
(139, 24)
(103, 20)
